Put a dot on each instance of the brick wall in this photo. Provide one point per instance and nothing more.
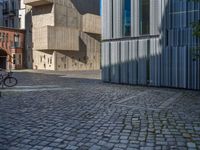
(12, 44)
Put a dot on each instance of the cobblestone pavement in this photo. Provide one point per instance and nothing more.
(52, 112)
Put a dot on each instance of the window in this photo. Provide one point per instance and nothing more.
(40, 58)
(13, 6)
(50, 60)
(144, 17)
(14, 59)
(16, 40)
(166, 38)
(19, 3)
(20, 25)
(6, 23)
(7, 40)
(20, 59)
(6, 37)
(3, 37)
(127, 18)
(12, 23)
(6, 5)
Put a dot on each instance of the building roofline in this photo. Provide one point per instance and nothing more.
(11, 29)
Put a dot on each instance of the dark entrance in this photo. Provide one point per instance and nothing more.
(3, 59)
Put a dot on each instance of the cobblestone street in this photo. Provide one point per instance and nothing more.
(51, 112)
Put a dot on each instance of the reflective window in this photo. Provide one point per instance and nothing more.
(127, 18)
(144, 16)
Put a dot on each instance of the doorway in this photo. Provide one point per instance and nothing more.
(3, 59)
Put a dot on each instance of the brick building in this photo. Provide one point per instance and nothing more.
(11, 48)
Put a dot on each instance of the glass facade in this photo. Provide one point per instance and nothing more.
(127, 18)
(144, 17)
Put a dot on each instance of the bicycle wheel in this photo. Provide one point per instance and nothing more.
(10, 81)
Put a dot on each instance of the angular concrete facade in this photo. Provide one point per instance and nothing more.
(163, 57)
(66, 34)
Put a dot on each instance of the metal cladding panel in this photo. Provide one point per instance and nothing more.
(117, 18)
(198, 73)
(159, 61)
(174, 67)
(105, 53)
(182, 66)
(155, 62)
(189, 68)
(142, 62)
(169, 56)
(166, 64)
(133, 62)
(135, 18)
(155, 16)
(124, 63)
(107, 19)
(115, 62)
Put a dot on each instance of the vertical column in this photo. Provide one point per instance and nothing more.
(107, 11)
(124, 63)
(117, 18)
(156, 15)
(105, 61)
(135, 18)
(142, 61)
(115, 61)
(133, 62)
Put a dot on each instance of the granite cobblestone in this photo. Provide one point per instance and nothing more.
(88, 114)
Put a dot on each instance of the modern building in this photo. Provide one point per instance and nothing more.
(1, 13)
(11, 48)
(11, 13)
(66, 34)
(150, 42)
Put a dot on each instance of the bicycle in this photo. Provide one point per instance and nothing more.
(7, 79)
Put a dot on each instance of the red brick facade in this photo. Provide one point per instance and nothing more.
(11, 48)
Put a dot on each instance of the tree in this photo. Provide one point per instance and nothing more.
(196, 32)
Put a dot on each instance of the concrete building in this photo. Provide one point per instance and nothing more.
(25, 22)
(28, 53)
(66, 34)
(11, 48)
(149, 42)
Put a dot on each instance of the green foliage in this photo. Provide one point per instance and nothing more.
(196, 28)
(196, 32)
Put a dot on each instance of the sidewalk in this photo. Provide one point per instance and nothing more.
(85, 74)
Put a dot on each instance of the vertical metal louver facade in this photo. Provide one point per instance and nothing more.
(161, 58)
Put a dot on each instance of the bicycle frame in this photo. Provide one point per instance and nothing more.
(4, 76)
